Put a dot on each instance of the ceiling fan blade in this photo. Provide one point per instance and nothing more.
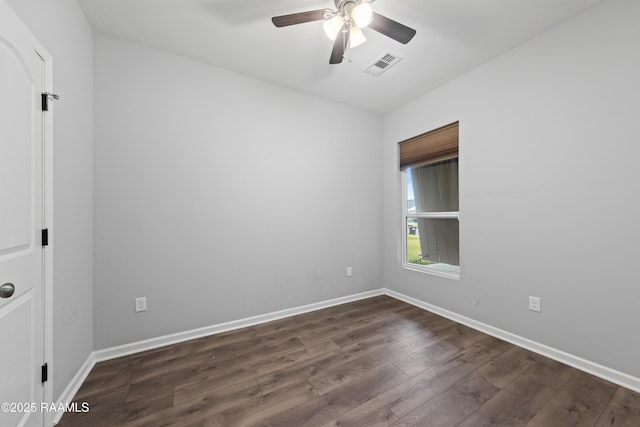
(298, 18)
(339, 47)
(391, 28)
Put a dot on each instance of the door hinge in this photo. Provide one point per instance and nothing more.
(45, 100)
(45, 237)
(45, 373)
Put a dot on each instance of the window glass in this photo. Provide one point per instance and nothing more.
(432, 241)
(434, 187)
(431, 217)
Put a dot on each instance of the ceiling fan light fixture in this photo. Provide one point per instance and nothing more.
(356, 37)
(362, 15)
(332, 26)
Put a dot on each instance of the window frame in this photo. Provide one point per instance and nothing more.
(405, 239)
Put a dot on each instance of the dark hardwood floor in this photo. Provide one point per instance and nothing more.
(376, 362)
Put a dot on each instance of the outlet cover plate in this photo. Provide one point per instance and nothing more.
(534, 304)
(141, 304)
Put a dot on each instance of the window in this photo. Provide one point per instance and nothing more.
(429, 166)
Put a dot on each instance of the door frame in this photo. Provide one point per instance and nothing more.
(48, 223)
(47, 214)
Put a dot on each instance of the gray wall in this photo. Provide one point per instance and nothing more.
(62, 28)
(220, 197)
(549, 177)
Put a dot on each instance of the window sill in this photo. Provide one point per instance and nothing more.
(441, 270)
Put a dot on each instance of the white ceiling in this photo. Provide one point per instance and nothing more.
(453, 36)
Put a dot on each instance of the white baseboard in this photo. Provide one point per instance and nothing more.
(136, 347)
(74, 385)
(616, 377)
(601, 371)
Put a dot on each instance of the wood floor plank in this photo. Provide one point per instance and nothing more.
(281, 361)
(514, 406)
(322, 347)
(390, 323)
(194, 371)
(622, 411)
(338, 314)
(372, 413)
(339, 374)
(213, 342)
(496, 344)
(147, 405)
(507, 367)
(292, 374)
(323, 334)
(201, 366)
(373, 362)
(424, 358)
(374, 321)
(98, 382)
(111, 408)
(317, 365)
(208, 387)
(102, 406)
(258, 408)
(420, 389)
(199, 405)
(580, 401)
(362, 331)
(550, 372)
(339, 325)
(161, 355)
(413, 321)
(452, 406)
(449, 342)
(338, 402)
(271, 343)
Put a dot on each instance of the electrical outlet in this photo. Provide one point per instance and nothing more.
(349, 272)
(534, 304)
(141, 304)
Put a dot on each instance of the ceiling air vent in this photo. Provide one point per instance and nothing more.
(382, 64)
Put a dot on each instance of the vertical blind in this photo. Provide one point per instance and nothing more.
(430, 147)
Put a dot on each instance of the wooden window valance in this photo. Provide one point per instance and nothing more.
(430, 147)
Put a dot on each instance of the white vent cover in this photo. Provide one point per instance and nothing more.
(382, 64)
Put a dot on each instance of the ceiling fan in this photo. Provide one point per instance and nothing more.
(344, 25)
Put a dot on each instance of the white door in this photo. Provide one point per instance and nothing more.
(21, 220)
